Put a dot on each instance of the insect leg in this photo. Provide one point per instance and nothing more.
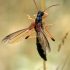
(45, 15)
(30, 28)
(32, 37)
(48, 32)
(29, 17)
(35, 15)
(28, 36)
(50, 25)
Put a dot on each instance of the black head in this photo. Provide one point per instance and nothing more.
(40, 14)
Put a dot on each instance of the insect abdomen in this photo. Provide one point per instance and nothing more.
(41, 52)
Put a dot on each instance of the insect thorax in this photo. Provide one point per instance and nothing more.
(39, 17)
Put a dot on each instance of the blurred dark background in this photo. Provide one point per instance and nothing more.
(23, 55)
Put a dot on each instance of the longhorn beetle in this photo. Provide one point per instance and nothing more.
(39, 27)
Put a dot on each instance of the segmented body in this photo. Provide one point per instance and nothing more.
(41, 40)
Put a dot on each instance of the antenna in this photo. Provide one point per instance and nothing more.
(36, 5)
(51, 6)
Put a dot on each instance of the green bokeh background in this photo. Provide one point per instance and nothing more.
(23, 55)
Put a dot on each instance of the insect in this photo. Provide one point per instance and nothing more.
(36, 26)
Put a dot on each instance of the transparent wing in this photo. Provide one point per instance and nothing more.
(43, 41)
(16, 36)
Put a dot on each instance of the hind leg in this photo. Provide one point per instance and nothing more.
(48, 33)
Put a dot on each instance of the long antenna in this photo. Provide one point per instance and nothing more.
(51, 6)
(36, 5)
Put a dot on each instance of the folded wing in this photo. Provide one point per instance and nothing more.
(42, 44)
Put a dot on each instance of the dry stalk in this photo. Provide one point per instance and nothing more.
(65, 61)
(42, 6)
(63, 41)
(67, 55)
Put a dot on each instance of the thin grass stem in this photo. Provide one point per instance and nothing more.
(42, 6)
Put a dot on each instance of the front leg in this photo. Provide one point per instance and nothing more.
(45, 15)
(35, 15)
(29, 17)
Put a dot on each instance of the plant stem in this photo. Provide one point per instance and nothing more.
(44, 65)
(42, 6)
(65, 61)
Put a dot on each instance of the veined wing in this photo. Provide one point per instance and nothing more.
(16, 36)
(42, 44)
